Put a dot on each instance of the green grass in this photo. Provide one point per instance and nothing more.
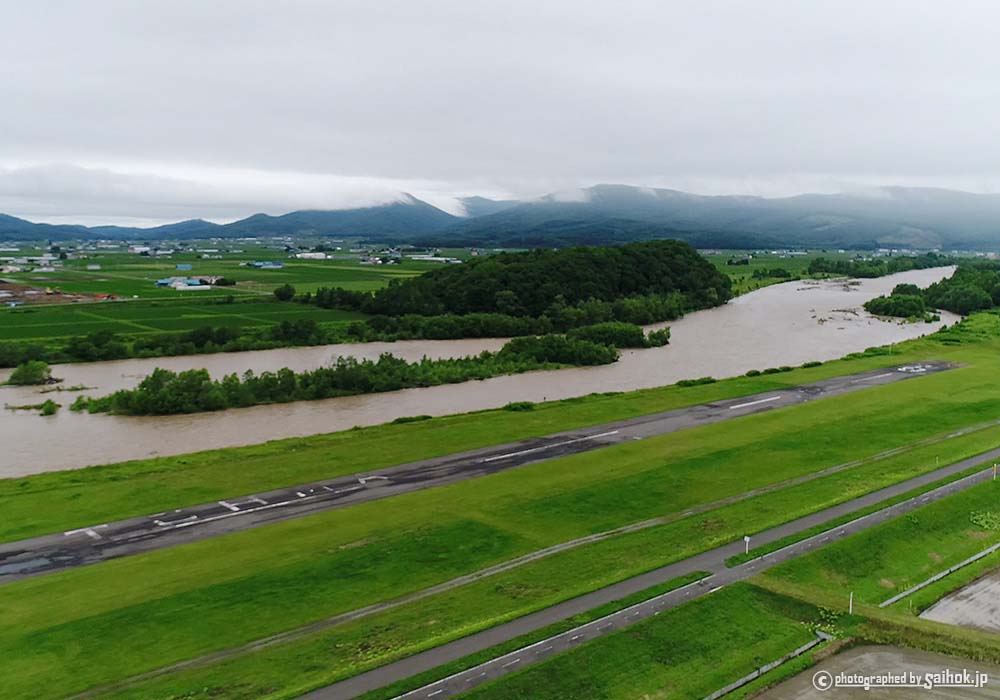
(142, 318)
(183, 600)
(892, 557)
(179, 603)
(414, 682)
(687, 652)
(742, 275)
(264, 674)
(64, 500)
(150, 309)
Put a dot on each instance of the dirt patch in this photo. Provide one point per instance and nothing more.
(11, 292)
(886, 583)
(935, 557)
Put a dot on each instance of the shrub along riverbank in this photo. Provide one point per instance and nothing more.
(975, 286)
(164, 392)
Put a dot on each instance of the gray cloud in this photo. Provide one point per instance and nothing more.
(178, 108)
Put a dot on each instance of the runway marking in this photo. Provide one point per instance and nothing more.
(377, 477)
(754, 403)
(89, 531)
(194, 520)
(436, 692)
(877, 376)
(167, 524)
(510, 663)
(300, 494)
(227, 504)
(548, 447)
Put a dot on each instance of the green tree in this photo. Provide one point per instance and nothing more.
(285, 292)
(30, 373)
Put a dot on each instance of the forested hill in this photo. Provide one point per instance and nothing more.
(527, 284)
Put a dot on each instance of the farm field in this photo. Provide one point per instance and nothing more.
(142, 317)
(143, 308)
(127, 274)
(184, 600)
(743, 275)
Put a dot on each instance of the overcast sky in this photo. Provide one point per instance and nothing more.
(169, 109)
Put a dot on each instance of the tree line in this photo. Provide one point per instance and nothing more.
(530, 284)
(975, 286)
(877, 267)
(165, 392)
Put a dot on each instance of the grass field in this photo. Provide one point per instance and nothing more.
(873, 564)
(742, 275)
(146, 308)
(179, 603)
(687, 652)
(140, 317)
(905, 551)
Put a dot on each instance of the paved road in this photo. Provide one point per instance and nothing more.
(712, 562)
(100, 542)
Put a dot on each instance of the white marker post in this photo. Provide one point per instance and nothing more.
(746, 544)
(850, 605)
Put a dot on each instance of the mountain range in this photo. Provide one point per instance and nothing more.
(879, 217)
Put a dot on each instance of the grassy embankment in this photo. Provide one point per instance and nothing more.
(182, 602)
(874, 564)
(688, 652)
(64, 500)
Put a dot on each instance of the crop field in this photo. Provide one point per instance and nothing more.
(127, 274)
(142, 307)
(143, 317)
(183, 601)
(743, 275)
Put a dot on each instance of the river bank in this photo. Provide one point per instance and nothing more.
(785, 324)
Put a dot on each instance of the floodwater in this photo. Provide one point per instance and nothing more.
(785, 324)
(871, 661)
(976, 605)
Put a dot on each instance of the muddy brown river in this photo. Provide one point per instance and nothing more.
(785, 324)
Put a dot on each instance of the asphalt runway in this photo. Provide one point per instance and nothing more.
(103, 541)
(713, 562)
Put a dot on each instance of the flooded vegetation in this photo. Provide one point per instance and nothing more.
(785, 324)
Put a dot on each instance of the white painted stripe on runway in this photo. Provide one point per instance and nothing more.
(88, 531)
(193, 520)
(548, 447)
(877, 376)
(754, 403)
(227, 504)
